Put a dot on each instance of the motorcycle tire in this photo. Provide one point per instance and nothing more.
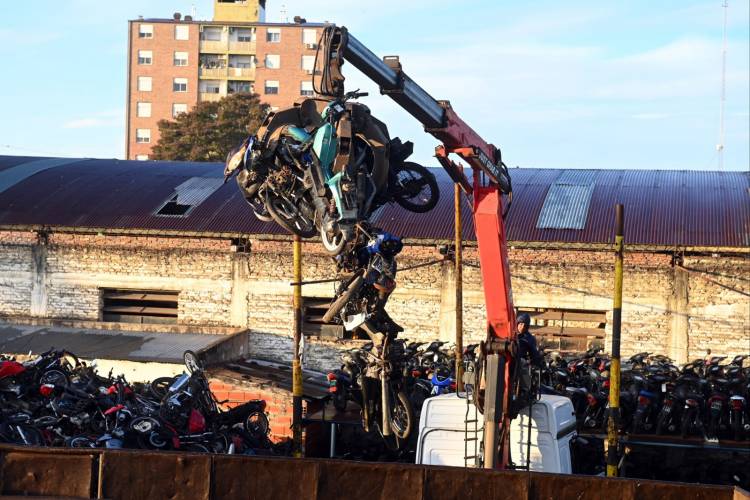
(54, 377)
(22, 434)
(288, 216)
(661, 424)
(256, 424)
(685, 425)
(81, 442)
(737, 426)
(191, 361)
(196, 448)
(402, 415)
(159, 386)
(418, 177)
(713, 427)
(333, 243)
(638, 422)
(342, 300)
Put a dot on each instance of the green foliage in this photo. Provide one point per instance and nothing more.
(210, 130)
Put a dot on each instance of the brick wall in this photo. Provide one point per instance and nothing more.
(252, 290)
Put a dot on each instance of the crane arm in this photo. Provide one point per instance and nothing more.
(490, 182)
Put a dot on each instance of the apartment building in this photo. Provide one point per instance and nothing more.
(175, 63)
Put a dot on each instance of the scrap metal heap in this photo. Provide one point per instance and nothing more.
(324, 166)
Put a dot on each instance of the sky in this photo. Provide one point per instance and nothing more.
(554, 84)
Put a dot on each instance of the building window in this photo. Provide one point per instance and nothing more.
(273, 61)
(210, 86)
(238, 86)
(146, 31)
(308, 64)
(307, 89)
(141, 157)
(272, 87)
(245, 34)
(310, 38)
(273, 35)
(145, 56)
(569, 330)
(179, 84)
(181, 32)
(144, 83)
(143, 135)
(313, 310)
(211, 34)
(180, 58)
(139, 306)
(143, 109)
(178, 109)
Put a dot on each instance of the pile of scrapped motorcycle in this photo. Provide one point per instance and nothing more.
(55, 399)
(706, 398)
(323, 168)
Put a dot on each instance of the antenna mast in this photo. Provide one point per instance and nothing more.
(720, 145)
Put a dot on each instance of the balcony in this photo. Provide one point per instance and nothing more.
(210, 96)
(248, 73)
(213, 46)
(242, 47)
(212, 72)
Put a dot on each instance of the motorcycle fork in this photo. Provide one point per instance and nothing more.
(366, 405)
(386, 403)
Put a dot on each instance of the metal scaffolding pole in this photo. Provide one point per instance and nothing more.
(458, 277)
(296, 365)
(614, 371)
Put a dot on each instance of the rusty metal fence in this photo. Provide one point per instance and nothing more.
(146, 475)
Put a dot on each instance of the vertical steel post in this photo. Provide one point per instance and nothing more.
(614, 371)
(296, 365)
(458, 277)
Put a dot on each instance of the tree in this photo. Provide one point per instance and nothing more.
(210, 130)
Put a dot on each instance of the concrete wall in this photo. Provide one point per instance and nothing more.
(666, 309)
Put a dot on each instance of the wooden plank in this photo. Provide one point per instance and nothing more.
(153, 297)
(171, 311)
(592, 317)
(546, 315)
(569, 331)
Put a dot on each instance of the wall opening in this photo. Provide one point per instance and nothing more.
(567, 330)
(313, 310)
(139, 306)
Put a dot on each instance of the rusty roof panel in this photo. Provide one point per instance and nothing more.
(665, 208)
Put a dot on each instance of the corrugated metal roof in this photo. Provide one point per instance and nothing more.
(665, 208)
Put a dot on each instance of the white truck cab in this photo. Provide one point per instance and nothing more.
(443, 437)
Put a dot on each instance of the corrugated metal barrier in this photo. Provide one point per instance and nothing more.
(147, 475)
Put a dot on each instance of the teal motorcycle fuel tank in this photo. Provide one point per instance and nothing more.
(324, 146)
(298, 134)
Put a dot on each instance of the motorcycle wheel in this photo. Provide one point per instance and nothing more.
(22, 434)
(685, 425)
(288, 216)
(661, 424)
(419, 192)
(402, 415)
(333, 241)
(341, 301)
(81, 442)
(713, 427)
(159, 386)
(638, 422)
(256, 424)
(737, 425)
(54, 377)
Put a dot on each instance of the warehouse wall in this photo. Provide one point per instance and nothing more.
(666, 308)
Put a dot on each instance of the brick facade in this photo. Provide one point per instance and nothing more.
(163, 44)
(680, 311)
